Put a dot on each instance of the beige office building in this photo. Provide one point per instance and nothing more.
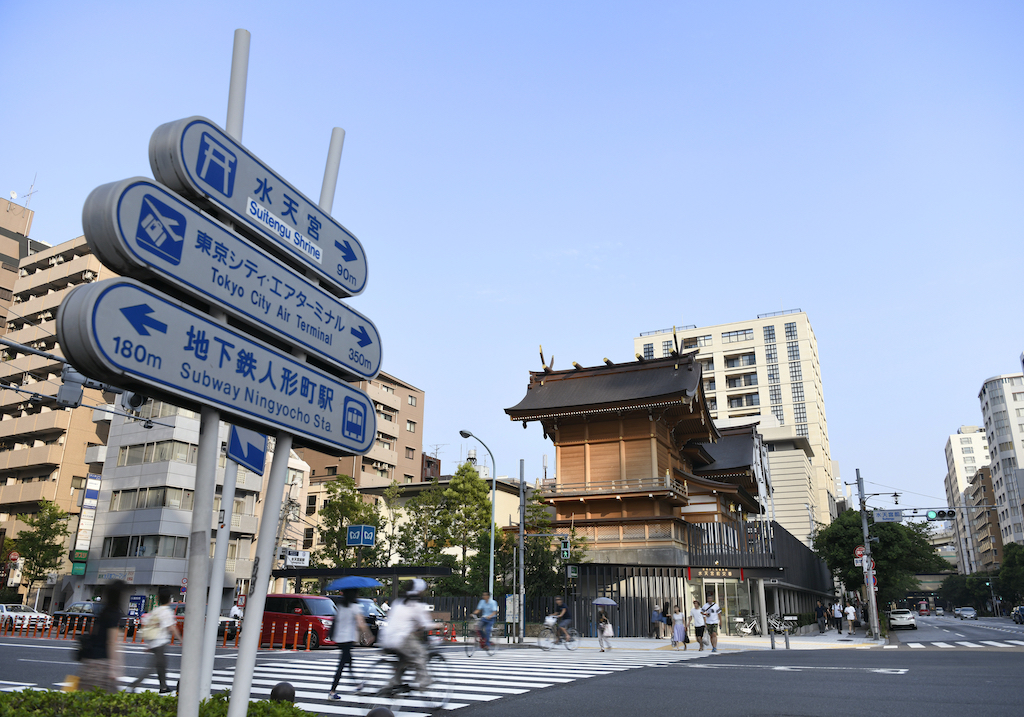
(766, 366)
(966, 452)
(988, 543)
(1002, 406)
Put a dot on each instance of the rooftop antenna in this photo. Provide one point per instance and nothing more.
(31, 191)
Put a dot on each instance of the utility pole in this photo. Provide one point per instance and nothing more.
(522, 552)
(869, 572)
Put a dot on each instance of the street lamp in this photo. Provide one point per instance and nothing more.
(494, 477)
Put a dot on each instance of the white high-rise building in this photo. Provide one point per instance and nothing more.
(765, 366)
(1002, 406)
(966, 452)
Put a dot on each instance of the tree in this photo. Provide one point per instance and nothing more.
(964, 590)
(425, 533)
(469, 513)
(1011, 574)
(42, 543)
(344, 506)
(901, 552)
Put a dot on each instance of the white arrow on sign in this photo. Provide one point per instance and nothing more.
(138, 228)
(196, 156)
(123, 332)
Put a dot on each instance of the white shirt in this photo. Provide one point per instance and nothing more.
(163, 619)
(697, 617)
(837, 610)
(345, 626)
(711, 611)
(403, 618)
(678, 618)
(851, 612)
(236, 613)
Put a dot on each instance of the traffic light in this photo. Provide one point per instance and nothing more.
(942, 514)
(565, 548)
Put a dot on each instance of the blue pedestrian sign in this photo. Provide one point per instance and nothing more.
(196, 157)
(139, 228)
(361, 535)
(247, 448)
(123, 332)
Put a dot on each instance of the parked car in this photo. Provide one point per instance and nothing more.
(375, 617)
(939, 612)
(14, 616)
(968, 613)
(313, 614)
(1018, 614)
(902, 618)
(79, 615)
(227, 625)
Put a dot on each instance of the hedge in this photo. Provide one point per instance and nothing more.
(40, 703)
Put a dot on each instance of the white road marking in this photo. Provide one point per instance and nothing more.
(915, 645)
(942, 644)
(968, 644)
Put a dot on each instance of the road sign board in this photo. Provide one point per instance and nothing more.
(247, 448)
(296, 559)
(195, 156)
(358, 535)
(12, 557)
(138, 227)
(887, 516)
(123, 332)
(859, 552)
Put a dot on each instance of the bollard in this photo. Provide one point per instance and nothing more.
(771, 634)
(295, 642)
(787, 636)
(273, 626)
(309, 636)
(238, 633)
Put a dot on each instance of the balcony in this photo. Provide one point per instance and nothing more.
(39, 423)
(379, 454)
(379, 395)
(96, 454)
(59, 275)
(28, 492)
(247, 524)
(13, 398)
(628, 487)
(25, 457)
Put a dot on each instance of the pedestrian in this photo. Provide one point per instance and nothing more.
(158, 627)
(822, 616)
(348, 627)
(851, 615)
(656, 623)
(697, 620)
(679, 628)
(604, 630)
(837, 616)
(711, 612)
(101, 660)
(236, 612)
(666, 620)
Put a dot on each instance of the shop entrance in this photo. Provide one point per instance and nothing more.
(734, 599)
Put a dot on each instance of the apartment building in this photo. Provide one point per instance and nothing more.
(15, 224)
(767, 366)
(966, 452)
(984, 521)
(1002, 407)
(46, 452)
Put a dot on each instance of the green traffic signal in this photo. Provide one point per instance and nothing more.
(932, 514)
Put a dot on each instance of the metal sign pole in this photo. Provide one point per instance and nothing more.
(522, 552)
(220, 555)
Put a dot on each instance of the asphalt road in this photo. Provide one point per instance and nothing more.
(948, 629)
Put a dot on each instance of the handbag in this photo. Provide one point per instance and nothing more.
(609, 631)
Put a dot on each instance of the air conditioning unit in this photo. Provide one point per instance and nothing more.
(88, 275)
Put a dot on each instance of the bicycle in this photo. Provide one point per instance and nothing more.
(374, 680)
(752, 626)
(474, 638)
(549, 636)
(778, 625)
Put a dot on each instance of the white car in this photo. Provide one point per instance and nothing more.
(14, 616)
(902, 618)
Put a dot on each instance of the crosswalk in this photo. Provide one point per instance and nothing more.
(471, 680)
(970, 644)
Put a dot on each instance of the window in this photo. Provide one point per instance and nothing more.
(730, 337)
(410, 453)
(773, 373)
(798, 392)
(151, 498)
(408, 478)
(967, 449)
(1018, 397)
(792, 351)
(697, 342)
(795, 372)
(775, 394)
(310, 504)
(387, 388)
(769, 334)
(771, 353)
(148, 546)
(709, 386)
(648, 351)
(802, 431)
(307, 539)
(965, 441)
(799, 413)
(746, 379)
(666, 348)
(410, 426)
(707, 365)
(750, 399)
(740, 360)
(777, 412)
(712, 404)
(791, 331)
(412, 400)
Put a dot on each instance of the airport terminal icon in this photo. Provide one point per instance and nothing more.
(161, 230)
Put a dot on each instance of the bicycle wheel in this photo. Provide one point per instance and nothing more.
(471, 643)
(574, 640)
(492, 646)
(373, 674)
(546, 638)
(439, 692)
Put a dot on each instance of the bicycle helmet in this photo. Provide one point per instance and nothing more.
(418, 586)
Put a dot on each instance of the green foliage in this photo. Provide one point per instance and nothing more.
(42, 543)
(35, 703)
(425, 532)
(345, 506)
(1011, 575)
(967, 590)
(468, 504)
(902, 551)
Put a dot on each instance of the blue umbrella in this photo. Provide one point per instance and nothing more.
(604, 601)
(353, 581)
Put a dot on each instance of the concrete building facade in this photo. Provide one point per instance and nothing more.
(1002, 407)
(988, 542)
(768, 366)
(966, 451)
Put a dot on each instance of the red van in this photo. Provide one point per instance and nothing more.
(313, 614)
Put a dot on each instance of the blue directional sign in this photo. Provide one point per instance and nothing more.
(197, 157)
(887, 516)
(125, 333)
(359, 535)
(139, 228)
(247, 448)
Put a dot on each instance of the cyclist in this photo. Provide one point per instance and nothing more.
(487, 611)
(409, 622)
(563, 619)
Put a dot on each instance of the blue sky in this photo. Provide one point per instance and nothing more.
(572, 174)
